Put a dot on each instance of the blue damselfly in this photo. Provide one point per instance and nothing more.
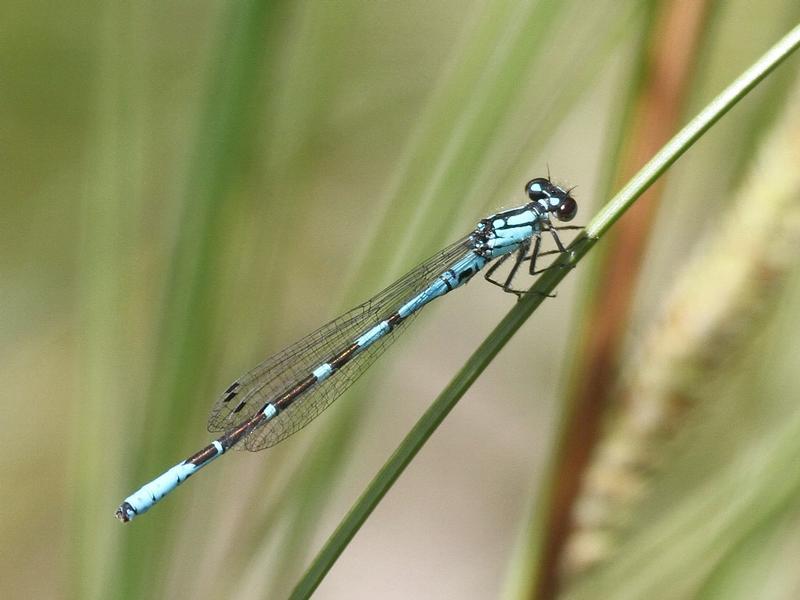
(289, 389)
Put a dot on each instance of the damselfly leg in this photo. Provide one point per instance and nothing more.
(520, 257)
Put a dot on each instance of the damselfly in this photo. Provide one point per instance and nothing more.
(285, 392)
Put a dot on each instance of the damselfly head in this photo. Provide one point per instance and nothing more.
(552, 198)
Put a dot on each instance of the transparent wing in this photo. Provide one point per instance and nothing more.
(276, 374)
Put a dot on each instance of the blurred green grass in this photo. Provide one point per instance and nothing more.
(191, 186)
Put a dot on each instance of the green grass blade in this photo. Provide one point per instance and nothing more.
(692, 132)
(543, 286)
(190, 294)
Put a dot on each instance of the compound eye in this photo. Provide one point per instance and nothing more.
(537, 189)
(567, 210)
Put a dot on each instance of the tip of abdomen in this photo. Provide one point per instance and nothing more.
(125, 512)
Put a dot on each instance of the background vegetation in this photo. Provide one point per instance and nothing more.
(190, 186)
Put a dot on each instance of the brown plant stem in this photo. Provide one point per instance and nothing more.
(676, 37)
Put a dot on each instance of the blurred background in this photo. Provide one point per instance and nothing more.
(190, 186)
